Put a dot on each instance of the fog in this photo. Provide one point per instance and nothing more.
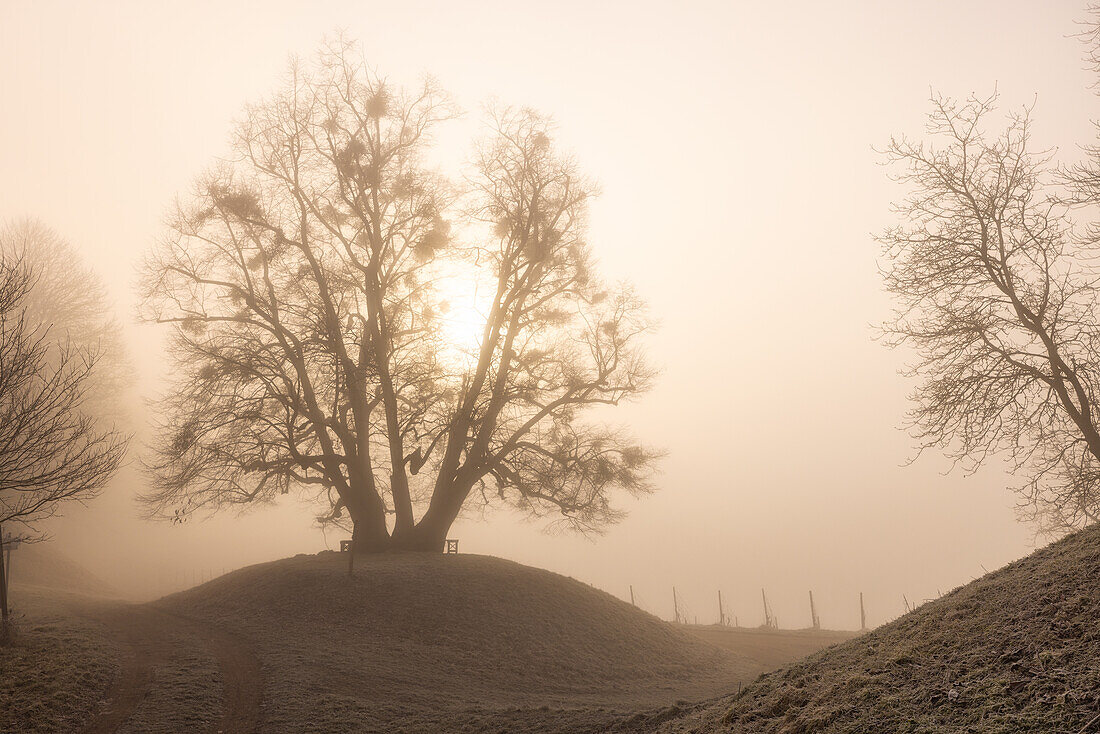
(734, 146)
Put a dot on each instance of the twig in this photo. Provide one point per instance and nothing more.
(1090, 722)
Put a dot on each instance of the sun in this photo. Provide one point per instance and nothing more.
(462, 307)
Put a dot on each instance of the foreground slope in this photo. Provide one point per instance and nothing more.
(55, 672)
(1018, 650)
(450, 643)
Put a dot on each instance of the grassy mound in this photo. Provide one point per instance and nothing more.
(450, 643)
(1017, 650)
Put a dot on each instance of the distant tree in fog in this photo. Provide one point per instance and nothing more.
(70, 299)
(52, 448)
(997, 293)
(310, 336)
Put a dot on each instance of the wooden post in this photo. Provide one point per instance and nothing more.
(907, 607)
(351, 555)
(862, 614)
(813, 613)
(768, 622)
(632, 596)
(5, 622)
(721, 612)
(675, 606)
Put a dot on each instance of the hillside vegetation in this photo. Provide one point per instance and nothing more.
(1017, 650)
(430, 642)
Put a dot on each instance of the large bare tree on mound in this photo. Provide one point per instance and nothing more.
(997, 289)
(310, 337)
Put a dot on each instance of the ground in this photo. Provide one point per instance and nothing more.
(413, 642)
(1017, 650)
(54, 675)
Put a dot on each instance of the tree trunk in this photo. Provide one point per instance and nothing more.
(368, 517)
(427, 537)
(368, 537)
(430, 533)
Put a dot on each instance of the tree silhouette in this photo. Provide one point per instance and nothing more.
(309, 332)
(51, 447)
(70, 299)
(52, 450)
(997, 295)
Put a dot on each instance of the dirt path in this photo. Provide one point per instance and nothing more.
(147, 642)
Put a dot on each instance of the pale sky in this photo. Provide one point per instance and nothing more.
(734, 146)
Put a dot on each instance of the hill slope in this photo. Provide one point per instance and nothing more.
(1017, 650)
(451, 643)
(44, 565)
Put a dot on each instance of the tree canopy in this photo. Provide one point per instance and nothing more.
(997, 286)
(69, 298)
(310, 339)
(52, 447)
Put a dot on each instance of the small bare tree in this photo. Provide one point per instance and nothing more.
(51, 450)
(997, 296)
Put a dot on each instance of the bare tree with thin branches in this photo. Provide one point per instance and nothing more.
(300, 280)
(51, 450)
(997, 296)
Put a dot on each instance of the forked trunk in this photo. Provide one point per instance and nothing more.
(428, 535)
(422, 537)
(431, 532)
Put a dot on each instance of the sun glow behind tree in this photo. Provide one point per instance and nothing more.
(462, 299)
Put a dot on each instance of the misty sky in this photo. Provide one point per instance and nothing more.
(734, 146)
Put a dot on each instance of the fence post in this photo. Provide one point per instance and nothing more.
(5, 622)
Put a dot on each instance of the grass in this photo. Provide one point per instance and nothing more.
(1018, 650)
(52, 677)
(412, 643)
(181, 694)
(428, 642)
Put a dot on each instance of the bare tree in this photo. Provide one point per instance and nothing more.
(51, 450)
(997, 296)
(301, 282)
(70, 299)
